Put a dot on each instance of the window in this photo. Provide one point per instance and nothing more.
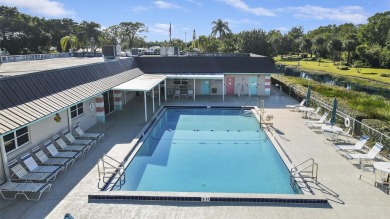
(76, 110)
(16, 139)
(180, 81)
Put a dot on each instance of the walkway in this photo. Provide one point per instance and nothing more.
(348, 196)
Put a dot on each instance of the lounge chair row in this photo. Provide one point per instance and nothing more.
(45, 167)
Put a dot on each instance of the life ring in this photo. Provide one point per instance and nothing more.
(347, 122)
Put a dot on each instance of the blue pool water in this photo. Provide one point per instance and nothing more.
(207, 150)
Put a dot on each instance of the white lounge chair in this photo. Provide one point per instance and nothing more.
(33, 167)
(190, 93)
(315, 114)
(61, 143)
(320, 120)
(177, 94)
(318, 125)
(293, 107)
(22, 174)
(64, 154)
(16, 188)
(44, 159)
(368, 156)
(92, 136)
(357, 147)
(73, 141)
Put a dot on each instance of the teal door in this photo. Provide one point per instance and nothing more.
(253, 85)
(205, 86)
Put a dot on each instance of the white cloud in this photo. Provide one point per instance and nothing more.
(194, 2)
(353, 14)
(283, 29)
(259, 11)
(160, 28)
(41, 7)
(166, 5)
(139, 9)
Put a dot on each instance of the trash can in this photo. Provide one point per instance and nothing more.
(214, 90)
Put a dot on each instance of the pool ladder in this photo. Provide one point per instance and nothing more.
(306, 169)
(110, 170)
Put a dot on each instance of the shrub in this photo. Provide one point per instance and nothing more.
(343, 67)
(336, 63)
(385, 75)
(358, 65)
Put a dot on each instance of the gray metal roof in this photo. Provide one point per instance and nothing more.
(26, 67)
(142, 83)
(33, 96)
(205, 64)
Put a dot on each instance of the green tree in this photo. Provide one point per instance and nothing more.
(296, 32)
(220, 27)
(69, 42)
(306, 45)
(376, 29)
(254, 41)
(318, 43)
(335, 46)
(349, 46)
(203, 43)
(87, 32)
(130, 30)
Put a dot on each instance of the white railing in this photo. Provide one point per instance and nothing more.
(19, 58)
(329, 107)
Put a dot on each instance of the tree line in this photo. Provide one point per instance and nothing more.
(365, 44)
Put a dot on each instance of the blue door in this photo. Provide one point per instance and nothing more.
(205, 86)
(253, 85)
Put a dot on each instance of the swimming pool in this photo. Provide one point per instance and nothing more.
(207, 150)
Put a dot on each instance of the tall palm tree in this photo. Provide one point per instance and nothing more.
(88, 32)
(221, 28)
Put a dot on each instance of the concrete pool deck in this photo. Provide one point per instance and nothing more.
(348, 196)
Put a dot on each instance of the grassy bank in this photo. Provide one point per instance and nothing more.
(328, 67)
(366, 105)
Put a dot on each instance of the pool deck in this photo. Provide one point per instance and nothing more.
(339, 182)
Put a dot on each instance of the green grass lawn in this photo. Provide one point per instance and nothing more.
(328, 67)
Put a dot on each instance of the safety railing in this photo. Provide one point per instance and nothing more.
(299, 170)
(109, 169)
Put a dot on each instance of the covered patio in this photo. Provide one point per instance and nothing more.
(145, 83)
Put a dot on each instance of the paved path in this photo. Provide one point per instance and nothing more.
(348, 196)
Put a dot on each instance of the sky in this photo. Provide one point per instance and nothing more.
(184, 16)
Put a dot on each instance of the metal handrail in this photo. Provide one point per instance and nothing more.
(119, 170)
(243, 107)
(314, 170)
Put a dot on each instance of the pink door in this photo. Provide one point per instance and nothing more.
(230, 85)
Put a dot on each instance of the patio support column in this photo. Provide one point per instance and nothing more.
(69, 120)
(194, 88)
(159, 95)
(223, 88)
(124, 96)
(118, 100)
(146, 110)
(165, 89)
(153, 98)
(4, 158)
(267, 83)
(100, 116)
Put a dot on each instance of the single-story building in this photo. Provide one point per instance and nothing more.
(41, 98)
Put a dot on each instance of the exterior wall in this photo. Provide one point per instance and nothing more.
(88, 119)
(268, 84)
(129, 95)
(216, 84)
(47, 128)
(241, 83)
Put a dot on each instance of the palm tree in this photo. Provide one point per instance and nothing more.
(88, 31)
(69, 41)
(220, 28)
